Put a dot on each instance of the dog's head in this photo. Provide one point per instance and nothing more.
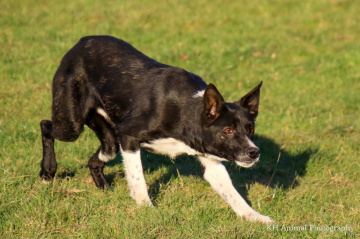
(229, 128)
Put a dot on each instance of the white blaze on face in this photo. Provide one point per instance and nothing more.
(251, 144)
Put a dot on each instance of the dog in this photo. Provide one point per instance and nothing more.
(131, 101)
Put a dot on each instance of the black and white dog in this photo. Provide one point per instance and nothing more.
(132, 101)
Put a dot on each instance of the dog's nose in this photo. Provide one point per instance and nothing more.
(253, 152)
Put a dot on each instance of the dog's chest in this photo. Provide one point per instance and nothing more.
(170, 147)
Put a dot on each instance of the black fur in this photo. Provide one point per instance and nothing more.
(145, 100)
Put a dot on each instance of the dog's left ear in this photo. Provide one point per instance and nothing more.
(251, 101)
(214, 104)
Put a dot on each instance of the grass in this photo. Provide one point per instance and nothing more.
(307, 54)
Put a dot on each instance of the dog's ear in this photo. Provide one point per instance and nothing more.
(214, 104)
(251, 101)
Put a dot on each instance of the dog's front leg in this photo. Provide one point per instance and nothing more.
(219, 179)
(135, 177)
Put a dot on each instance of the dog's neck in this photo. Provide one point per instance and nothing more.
(189, 129)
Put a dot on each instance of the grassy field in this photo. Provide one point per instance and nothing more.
(306, 52)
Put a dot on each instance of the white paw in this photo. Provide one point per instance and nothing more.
(255, 216)
(46, 181)
(141, 199)
(144, 202)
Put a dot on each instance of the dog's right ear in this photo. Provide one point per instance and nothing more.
(251, 101)
(214, 104)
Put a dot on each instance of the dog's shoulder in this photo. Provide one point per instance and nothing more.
(97, 40)
(183, 80)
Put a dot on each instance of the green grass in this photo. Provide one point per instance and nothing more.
(306, 52)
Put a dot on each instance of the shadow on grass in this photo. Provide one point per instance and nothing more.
(66, 173)
(184, 165)
(111, 177)
(270, 171)
(277, 167)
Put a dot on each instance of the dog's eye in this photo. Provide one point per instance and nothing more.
(251, 130)
(228, 130)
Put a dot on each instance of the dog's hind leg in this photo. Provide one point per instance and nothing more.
(69, 107)
(50, 132)
(219, 179)
(104, 129)
(48, 163)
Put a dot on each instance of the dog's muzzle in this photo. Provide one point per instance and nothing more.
(252, 156)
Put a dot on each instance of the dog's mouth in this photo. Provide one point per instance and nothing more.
(245, 161)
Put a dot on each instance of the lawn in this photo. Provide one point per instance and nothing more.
(307, 53)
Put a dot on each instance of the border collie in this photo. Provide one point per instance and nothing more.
(131, 101)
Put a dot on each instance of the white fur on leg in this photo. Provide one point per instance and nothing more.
(103, 114)
(135, 177)
(219, 179)
(106, 157)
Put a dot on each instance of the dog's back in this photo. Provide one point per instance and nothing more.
(101, 70)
